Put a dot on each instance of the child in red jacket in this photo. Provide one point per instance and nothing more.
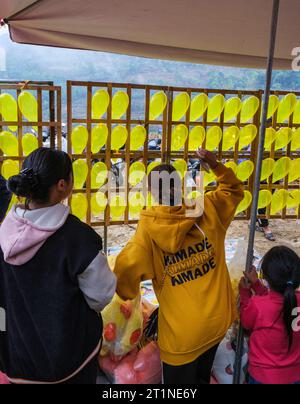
(273, 317)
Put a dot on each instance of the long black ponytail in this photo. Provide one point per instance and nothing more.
(281, 269)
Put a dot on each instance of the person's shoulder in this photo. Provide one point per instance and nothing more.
(81, 231)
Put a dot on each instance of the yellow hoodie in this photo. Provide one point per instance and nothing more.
(196, 301)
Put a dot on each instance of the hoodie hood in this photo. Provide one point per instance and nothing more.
(168, 226)
(24, 232)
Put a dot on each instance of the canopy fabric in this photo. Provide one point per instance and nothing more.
(231, 32)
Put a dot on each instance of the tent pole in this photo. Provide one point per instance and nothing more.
(250, 254)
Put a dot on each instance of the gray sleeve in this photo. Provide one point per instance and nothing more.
(98, 283)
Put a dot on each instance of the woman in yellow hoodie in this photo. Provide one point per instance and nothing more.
(185, 258)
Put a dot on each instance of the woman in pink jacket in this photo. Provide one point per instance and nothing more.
(273, 317)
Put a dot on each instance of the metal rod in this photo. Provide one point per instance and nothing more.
(250, 254)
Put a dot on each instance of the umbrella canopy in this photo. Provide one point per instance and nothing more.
(231, 32)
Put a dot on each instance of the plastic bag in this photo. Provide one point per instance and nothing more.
(237, 265)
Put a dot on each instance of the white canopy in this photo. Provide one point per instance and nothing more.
(221, 32)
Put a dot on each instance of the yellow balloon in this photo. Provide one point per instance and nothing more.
(283, 138)
(118, 137)
(230, 138)
(293, 199)
(9, 144)
(282, 168)
(295, 145)
(137, 173)
(245, 204)
(151, 166)
(14, 200)
(10, 168)
(79, 206)
(209, 178)
(267, 170)
(270, 137)
(196, 138)
(99, 137)
(98, 203)
(273, 105)
(151, 202)
(286, 107)
(117, 207)
(296, 119)
(294, 171)
(247, 136)
(245, 170)
(181, 167)
(232, 165)
(136, 204)
(79, 138)
(120, 104)
(99, 175)
(29, 143)
(29, 107)
(80, 170)
(9, 110)
(232, 109)
(179, 136)
(279, 201)
(215, 107)
(158, 105)
(213, 138)
(249, 108)
(137, 137)
(265, 199)
(180, 106)
(100, 103)
(198, 107)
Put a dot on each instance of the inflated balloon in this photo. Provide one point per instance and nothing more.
(151, 166)
(137, 173)
(151, 202)
(98, 203)
(213, 138)
(29, 107)
(118, 137)
(286, 107)
(273, 105)
(79, 138)
(158, 104)
(293, 199)
(9, 110)
(137, 137)
(265, 198)
(270, 137)
(249, 108)
(283, 138)
(80, 170)
(120, 104)
(247, 136)
(117, 207)
(198, 107)
(14, 200)
(215, 107)
(99, 175)
(295, 142)
(79, 206)
(181, 167)
(232, 165)
(245, 204)
(279, 201)
(209, 178)
(282, 168)
(230, 138)
(100, 103)
(296, 118)
(10, 168)
(245, 170)
(136, 203)
(99, 137)
(179, 136)
(196, 138)
(180, 106)
(29, 143)
(9, 144)
(268, 166)
(294, 171)
(232, 109)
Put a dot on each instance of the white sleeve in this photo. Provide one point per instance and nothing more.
(98, 283)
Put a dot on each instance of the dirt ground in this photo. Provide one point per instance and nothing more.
(287, 232)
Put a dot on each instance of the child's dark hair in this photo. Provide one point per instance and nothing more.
(41, 170)
(158, 189)
(281, 269)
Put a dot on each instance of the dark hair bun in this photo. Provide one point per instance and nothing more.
(20, 185)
